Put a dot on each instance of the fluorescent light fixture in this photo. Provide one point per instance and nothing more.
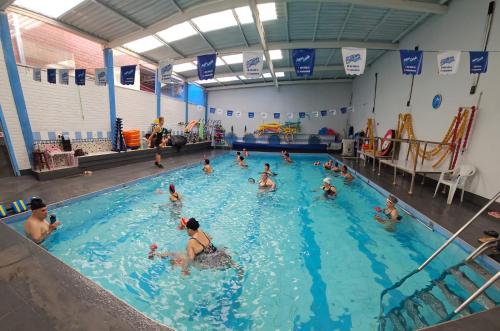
(267, 75)
(276, 54)
(184, 67)
(215, 21)
(52, 8)
(177, 32)
(278, 74)
(227, 79)
(267, 12)
(206, 81)
(232, 59)
(144, 44)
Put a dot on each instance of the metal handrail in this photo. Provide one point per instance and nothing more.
(477, 293)
(478, 251)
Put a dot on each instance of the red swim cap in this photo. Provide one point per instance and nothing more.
(153, 247)
(184, 221)
(171, 188)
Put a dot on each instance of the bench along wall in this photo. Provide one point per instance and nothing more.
(444, 32)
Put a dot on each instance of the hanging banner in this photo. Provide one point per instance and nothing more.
(478, 62)
(448, 62)
(220, 111)
(253, 62)
(354, 60)
(64, 76)
(200, 108)
(206, 66)
(165, 69)
(127, 75)
(411, 61)
(251, 115)
(276, 115)
(302, 115)
(237, 114)
(37, 74)
(263, 115)
(289, 116)
(303, 60)
(324, 113)
(315, 114)
(333, 112)
(80, 76)
(212, 110)
(229, 113)
(343, 110)
(51, 75)
(100, 76)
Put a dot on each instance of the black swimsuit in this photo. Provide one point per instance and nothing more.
(210, 257)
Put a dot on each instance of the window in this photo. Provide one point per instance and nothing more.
(144, 44)
(52, 8)
(215, 21)
(177, 32)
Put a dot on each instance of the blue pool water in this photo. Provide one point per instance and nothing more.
(310, 263)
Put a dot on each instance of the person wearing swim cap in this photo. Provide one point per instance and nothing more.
(207, 168)
(174, 196)
(328, 189)
(390, 212)
(182, 223)
(36, 227)
(336, 167)
(266, 183)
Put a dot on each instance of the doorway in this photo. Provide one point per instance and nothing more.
(6, 169)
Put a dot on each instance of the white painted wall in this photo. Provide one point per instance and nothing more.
(10, 114)
(462, 28)
(136, 108)
(288, 98)
(173, 111)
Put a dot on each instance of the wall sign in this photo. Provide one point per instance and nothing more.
(436, 101)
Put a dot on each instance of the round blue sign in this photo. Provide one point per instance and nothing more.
(436, 101)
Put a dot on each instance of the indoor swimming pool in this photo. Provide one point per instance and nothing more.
(310, 263)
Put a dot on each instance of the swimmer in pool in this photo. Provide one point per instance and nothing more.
(238, 155)
(242, 163)
(266, 183)
(245, 153)
(328, 165)
(328, 189)
(346, 174)
(174, 196)
(207, 168)
(336, 167)
(390, 214)
(286, 157)
(267, 170)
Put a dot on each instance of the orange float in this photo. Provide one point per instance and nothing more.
(132, 138)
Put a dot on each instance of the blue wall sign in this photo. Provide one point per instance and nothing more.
(436, 101)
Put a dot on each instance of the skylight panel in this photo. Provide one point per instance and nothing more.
(215, 21)
(232, 59)
(244, 14)
(278, 74)
(184, 67)
(52, 8)
(276, 54)
(267, 75)
(227, 79)
(206, 81)
(267, 11)
(177, 32)
(144, 44)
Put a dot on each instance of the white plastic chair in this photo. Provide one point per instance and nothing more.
(458, 179)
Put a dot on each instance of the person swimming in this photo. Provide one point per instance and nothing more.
(328, 189)
(346, 174)
(238, 155)
(174, 196)
(328, 165)
(391, 214)
(336, 167)
(267, 170)
(207, 168)
(266, 183)
(241, 162)
(286, 157)
(245, 152)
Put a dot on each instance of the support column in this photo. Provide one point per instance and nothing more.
(205, 93)
(8, 141)
(158, 92)
(15, 86)
(110, 80)
(186, 103)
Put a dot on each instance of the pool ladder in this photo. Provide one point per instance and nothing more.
(412, 305)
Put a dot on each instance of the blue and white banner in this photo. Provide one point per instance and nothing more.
(220, 111)
(333, 112)
(276, 115)
(165, 69)
(411, 61)
(212, 110)
(251, 115)
(64, 76)
(289, 116)
(343, 110)
(253, 62)
(324, 112)
(354, 60)
(263, 115)
(229, 113)
(303, 60)
(51, 75)
(315, 113)
(127, 75)
(237, 114)
(206, 66)
(80, 76)
(302, 114)
(448, 62)
(478, 62)
(37, 74)
(100, 77)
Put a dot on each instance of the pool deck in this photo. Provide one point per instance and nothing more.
(40, 292)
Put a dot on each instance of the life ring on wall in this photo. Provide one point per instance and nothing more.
(386, 146)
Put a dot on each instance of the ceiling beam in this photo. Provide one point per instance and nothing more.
(316, 21)
(407, 5)
(5, 3)
(240, 28)
(282, 69)
(379, 23)
(290, 82)
(263, 40)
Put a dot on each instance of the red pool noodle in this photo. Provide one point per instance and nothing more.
(469, 127)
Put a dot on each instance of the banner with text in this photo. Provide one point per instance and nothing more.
(127, 75)
(411, 61)
(448, 62)
(64, 76)
(253, 62)
(354, 60)
(51, 75)
(165, 68)
(37, 74)
(303, 61)
(80, 76)
(478, 62)
(206, 66)
(100, 76)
